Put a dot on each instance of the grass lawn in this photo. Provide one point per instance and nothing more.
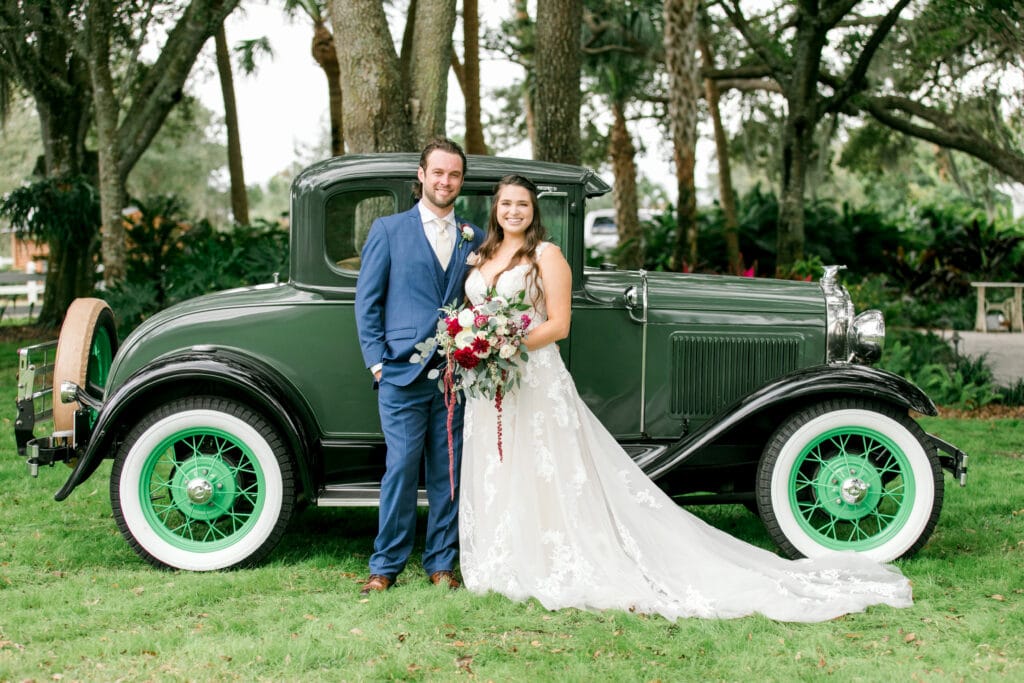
(77, 604)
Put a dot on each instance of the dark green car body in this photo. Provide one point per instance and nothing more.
(693, 374)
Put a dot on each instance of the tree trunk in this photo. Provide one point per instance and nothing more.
(376, 113)
(726, 198)
(64, 120)
(70, 272)
(327, 57)
(471, 70)
(239, 198)
(430, 52)
(557, 66)
(623, 155)
(684, 91)
(802, 116)
(796, 144)
(107, 111)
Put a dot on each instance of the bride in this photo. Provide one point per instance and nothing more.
(566, 517)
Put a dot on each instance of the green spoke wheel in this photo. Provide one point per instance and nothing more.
(201, 484)
(849, 475)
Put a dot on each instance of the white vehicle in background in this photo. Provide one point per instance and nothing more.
(601, 230)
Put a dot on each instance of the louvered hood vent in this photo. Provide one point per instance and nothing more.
(710, 372)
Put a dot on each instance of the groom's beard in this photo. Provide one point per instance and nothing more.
(432, 197)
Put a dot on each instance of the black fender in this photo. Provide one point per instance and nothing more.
(829, 381)
(236, 375)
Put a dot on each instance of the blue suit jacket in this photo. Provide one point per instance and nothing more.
(401, 288)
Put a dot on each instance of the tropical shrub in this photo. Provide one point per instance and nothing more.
(171, 259)
(949, 378)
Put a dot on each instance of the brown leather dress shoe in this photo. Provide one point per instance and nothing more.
(377, 583)
(444, 578)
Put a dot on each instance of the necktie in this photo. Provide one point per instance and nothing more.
(444, 243)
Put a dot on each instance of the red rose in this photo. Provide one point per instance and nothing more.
(466, 358)
(453, 325)
(481, 321)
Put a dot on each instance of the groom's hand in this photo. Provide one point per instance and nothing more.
(376, 375)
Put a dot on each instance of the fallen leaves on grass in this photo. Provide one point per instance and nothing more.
(11, 644)
(991, 411)
(463, 664)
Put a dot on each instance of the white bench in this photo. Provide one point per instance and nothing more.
(1011, 308)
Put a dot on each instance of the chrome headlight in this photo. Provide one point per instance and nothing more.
(849, 339)
(867, 336)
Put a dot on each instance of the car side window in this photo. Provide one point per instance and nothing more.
(348, 217)
(474, 204)
(554, 209)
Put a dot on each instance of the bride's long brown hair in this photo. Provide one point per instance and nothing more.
(534, 234)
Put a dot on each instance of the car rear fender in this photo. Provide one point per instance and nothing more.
(800, 386)
(212, 370)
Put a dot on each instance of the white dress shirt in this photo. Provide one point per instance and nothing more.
(430, 228)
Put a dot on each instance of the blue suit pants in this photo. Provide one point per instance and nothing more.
(414, 421)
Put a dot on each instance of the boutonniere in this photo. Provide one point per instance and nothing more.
(467, 233)
(473, 258)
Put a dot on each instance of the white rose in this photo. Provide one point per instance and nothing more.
(467, 233)
(507, 351)
(464, 339)
(466, 317)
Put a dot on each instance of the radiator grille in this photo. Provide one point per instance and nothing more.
(709, 373)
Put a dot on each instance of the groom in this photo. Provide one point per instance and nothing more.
(413, 263)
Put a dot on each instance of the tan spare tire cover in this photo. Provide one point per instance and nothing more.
(88, 333)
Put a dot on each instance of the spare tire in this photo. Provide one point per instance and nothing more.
(85, 351)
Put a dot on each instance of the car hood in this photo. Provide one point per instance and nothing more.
(689, 291)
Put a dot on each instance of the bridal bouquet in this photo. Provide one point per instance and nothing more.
(481, 345)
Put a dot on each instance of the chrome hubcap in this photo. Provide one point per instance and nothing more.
(854, 490)
(200, 491)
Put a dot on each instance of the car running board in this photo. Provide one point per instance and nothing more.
(358, 496)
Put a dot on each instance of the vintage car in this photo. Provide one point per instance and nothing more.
(223, 413)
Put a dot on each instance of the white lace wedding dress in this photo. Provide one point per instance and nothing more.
(569, 519)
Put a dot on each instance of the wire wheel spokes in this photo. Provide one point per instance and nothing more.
(849, 488)
(204, 489)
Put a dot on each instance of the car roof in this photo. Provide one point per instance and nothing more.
(478, 168)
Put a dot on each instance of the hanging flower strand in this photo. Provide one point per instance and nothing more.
(483, 350)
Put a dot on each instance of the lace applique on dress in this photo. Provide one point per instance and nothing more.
(644, 496)
(546, 463)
